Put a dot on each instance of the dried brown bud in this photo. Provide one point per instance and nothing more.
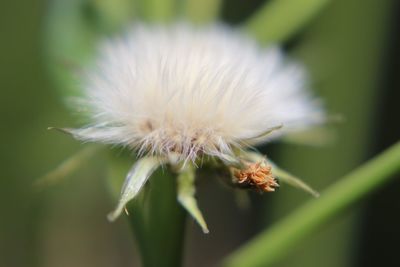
(257, 175)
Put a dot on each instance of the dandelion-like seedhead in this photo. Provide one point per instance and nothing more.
(192, 91)
(183, 92)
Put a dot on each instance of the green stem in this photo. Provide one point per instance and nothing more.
(158, 222)
(156, 217)
(278, 20)
(271, 245)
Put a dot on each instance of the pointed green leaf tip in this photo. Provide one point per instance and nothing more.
(288, 178)
(186, 192)
(135, 180)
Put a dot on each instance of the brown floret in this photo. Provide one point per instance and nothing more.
(257, 175)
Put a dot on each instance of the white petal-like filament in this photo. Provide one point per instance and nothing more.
(193, 91)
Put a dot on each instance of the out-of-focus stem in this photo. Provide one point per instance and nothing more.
(278, 20)
(201, 11)
(114, 15)
(157, 11)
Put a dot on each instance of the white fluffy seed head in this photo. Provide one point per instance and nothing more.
(192, 91)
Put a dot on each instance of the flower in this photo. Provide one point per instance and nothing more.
(178, 93)
(193, 91)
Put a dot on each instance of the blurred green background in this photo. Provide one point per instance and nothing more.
(352, 51)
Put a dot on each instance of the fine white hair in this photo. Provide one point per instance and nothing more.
(191, 91)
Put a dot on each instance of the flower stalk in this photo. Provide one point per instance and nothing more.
(155, 216)
(157, 220)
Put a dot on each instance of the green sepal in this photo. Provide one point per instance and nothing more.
(292, 180)
(134, 181)
(186, 195)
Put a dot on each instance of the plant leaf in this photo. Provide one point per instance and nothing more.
(135, 180)
(186, 192)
